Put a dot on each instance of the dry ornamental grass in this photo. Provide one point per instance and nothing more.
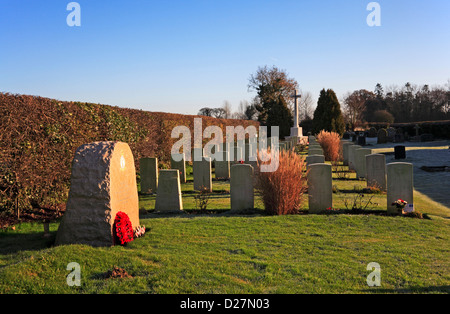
(282, 190)
(330, 142)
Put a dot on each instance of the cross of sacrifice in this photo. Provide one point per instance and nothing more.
(296, 96)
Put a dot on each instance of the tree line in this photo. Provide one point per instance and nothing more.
(274, 106)
(246, 111)
(409, 103)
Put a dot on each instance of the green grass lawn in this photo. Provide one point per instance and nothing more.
(223, 253)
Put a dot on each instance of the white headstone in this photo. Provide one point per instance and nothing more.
(169, 198)
(311, 139)
(400, 184)
(179, 165)
(149, 175)
(320, 189)
(376, 171)
(351, 156)
(202, 174)
(241, 187)
(315, 159)
(222, 167)
(360, 161)
(345, 149)
(315, 151)
(238, 155)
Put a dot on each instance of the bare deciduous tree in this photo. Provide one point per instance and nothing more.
(265, 76)
(305, 106)
(355, 105)
(228, 113)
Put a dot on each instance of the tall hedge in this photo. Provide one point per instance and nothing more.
(39, 137)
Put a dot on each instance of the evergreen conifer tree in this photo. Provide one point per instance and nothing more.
(328, 115)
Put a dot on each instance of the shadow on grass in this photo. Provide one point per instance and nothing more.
(430, 289)
(213, 193)
(348, 179)
(11, 243)
(194, 213)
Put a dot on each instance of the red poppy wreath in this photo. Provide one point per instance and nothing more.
(123, 228)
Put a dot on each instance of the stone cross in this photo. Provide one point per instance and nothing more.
(296, 97)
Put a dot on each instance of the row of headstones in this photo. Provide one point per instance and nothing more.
(202, 169)
(169, 196)
(383, 135)
(395, 178)
(167, 183)
(355, 157)
(314, 148)
(387, 135)
(398, 135)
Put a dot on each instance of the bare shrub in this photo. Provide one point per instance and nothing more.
(202, 198)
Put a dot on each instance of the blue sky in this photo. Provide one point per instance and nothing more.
(180, 56)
